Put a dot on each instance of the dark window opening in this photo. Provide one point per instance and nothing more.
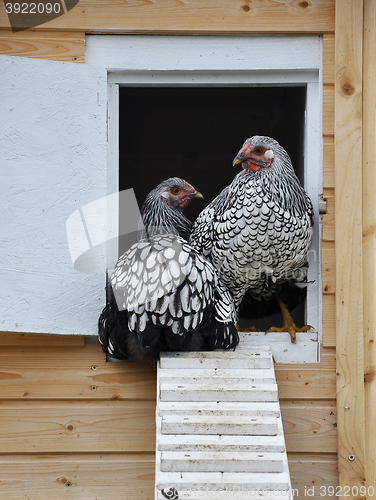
(195, 133)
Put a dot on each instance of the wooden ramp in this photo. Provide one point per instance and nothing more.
(219, 427)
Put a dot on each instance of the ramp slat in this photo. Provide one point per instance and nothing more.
(218, 392)
(219, 461)
(247, 426)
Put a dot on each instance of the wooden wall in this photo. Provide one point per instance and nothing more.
(74, 426)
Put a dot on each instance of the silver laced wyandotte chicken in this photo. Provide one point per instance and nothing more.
(164, 295)
(258, 231)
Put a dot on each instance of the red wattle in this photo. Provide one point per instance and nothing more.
(252, 166)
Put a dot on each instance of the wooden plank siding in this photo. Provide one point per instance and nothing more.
(77, 476)
(63, 46)
(72, 425)
(55, 430)
(195, 16)
(312, 475)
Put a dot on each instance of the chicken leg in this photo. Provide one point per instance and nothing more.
(288, 323)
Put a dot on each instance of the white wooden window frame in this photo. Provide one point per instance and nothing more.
(137, 60)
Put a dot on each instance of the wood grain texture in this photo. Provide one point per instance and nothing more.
(67, 373)
(369, 237)
(328, 358)
(73, 427)
(56, 45)
(329, 320)
(36, 340)
(310, 427)
(328, 111)
(195, 16)
(328, 261)
(77, 477)
(328, 266)
(328, 226)
(313, 474)
(328, 54)
(328, 157)
(348, 232)
(77, 427)
(307, 384)
(49, 434)
(305, 381)
(117, 477)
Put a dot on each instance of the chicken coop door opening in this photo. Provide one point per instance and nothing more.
(195, 133)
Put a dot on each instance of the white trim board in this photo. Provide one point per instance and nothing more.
(201, 53)
(153, 60)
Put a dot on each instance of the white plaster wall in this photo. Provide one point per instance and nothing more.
(53, 160)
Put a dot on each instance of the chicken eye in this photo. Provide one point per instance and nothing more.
(175, 190)
(258, 151)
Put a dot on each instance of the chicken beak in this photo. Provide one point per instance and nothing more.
(196, 194)
(236, 161)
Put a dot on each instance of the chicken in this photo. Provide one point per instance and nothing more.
(258, 230)
(164, 294)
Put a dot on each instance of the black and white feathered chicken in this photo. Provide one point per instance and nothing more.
(258, 230)
(168, 296)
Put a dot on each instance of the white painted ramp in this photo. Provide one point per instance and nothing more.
(219, 427)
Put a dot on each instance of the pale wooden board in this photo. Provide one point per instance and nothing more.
(328, 358)
(217, 461)
(328, 159)
(57, 46)
(71, 373)
(329, 320)
(328, 111)
(369, 236)
(70, 376)
(348, 232)
(328, 59)
(328, 226)
(44, 477)
(313, 474)
(36, 340)
(129, 426)
(306, 383)
(196, 16)
(77, 477)
(328, 266)
(311, 427)
(73, 427)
